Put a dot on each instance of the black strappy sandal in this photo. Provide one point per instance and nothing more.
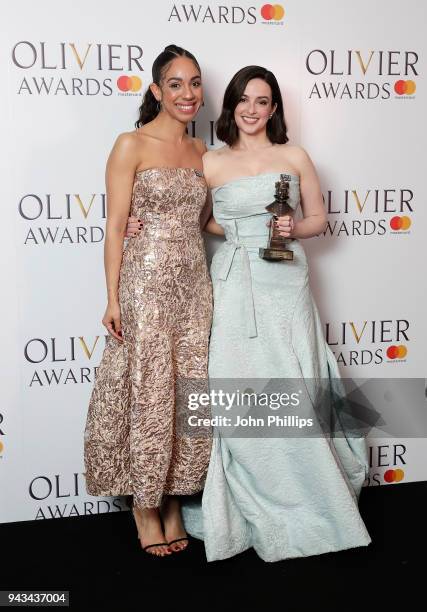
(179, 540)
(145, 548)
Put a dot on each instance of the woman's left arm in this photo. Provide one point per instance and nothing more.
(207, 220)
(314, 214)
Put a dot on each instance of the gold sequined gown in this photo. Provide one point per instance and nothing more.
(131, 445)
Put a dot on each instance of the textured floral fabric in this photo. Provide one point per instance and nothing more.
(286, 497)
(131, 443)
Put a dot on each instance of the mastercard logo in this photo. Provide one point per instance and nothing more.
(397, 352)
(129, 83)
(272, 12)
(400, 223)
(405, 87)
(394, 475)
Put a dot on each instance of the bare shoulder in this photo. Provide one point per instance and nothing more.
(200, 145)
(126, 142)
(222, 151)
(212, 162)
(125, 152)
(211, 159)
(297, 158)
(214, 155)
(208, 156)
(294, 153)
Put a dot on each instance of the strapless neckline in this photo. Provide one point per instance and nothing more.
(255, 176)
(195, 170)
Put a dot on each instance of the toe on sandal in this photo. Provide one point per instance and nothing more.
(145, 548)
(178, 540)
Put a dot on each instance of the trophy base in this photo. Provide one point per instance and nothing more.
(275, 254)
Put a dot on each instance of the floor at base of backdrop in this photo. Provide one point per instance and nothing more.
(98, 560)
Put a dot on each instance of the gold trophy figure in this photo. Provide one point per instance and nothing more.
(276, 247)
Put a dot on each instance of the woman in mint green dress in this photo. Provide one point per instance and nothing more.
(284, 496)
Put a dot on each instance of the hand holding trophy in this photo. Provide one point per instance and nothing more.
(276, 247)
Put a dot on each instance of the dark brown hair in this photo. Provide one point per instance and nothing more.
(150, 108)
(226, 128)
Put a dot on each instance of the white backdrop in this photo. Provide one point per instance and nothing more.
(352, 76)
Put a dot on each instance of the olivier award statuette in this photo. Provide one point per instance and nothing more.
(276, 247)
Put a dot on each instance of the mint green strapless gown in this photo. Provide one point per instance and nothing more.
(285, 497)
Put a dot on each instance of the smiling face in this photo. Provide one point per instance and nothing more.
(254, 108)
(180, 91)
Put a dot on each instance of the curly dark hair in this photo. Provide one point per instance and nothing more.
(149, 108)
(226, 128)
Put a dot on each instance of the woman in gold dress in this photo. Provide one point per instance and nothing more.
(158, 314)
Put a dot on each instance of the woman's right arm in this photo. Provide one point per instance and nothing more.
(120, 174)
(209, 224)
(212, 227)
(207, 221)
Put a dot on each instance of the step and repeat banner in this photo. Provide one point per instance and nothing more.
(72, 75)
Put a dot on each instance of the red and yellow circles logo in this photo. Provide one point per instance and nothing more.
(400, 223)
(129, 83)
(272, 12)
(397, 352)
(405, 87)
(394, 475)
